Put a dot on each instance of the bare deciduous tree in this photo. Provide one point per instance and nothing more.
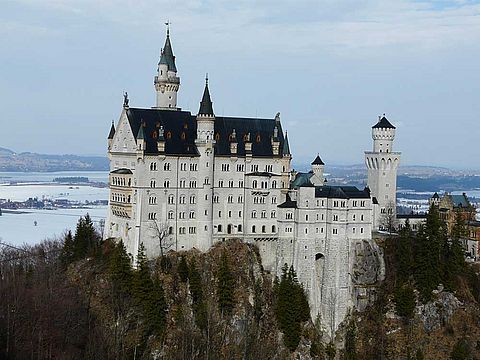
(161, 232)
(388, 218)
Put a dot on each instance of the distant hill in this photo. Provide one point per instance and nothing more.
(24, 162)
(411, 177)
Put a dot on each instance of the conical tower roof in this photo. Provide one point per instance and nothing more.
(206, 105)
(383, 123)
(167, 56)
(286, 146)
(140, 135)
(112, 132)
(318, 161)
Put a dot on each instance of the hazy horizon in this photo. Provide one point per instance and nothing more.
(329, 67)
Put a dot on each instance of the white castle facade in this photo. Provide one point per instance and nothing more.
(194, 180)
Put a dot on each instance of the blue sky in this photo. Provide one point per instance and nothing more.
(330, 67)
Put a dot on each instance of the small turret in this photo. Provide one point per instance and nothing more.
(233, 142)
(317, 168)
(275, 141)
(205, 119)
(140, 142)
(161, 141)
(248, 145)
(206, 105)
(383, 134)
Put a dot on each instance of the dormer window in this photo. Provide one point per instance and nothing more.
(183, 135)
(258, 138)
(169, 135)
(217, 136)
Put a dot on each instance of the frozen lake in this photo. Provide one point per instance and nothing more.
(18, 228)
(29, 177)
(80, 193)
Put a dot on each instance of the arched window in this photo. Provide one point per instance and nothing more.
(264, 229)
(274, 184)
(219, 228)
(254, 184)
(253, 229)
(274, 228)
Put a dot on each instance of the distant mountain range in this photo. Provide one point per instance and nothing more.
(27, 161)
(419, 178)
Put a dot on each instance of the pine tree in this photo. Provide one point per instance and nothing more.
(156, 307)
(225, 287)
(196, 291)
(404, 253)
(405, 301)
(195, 283)
(459, 231)
(428, 253)
(183, 269)
(120, 269)
(67, 253)
(291, 307)
(86, 240)
(142, 282)
(350, 342)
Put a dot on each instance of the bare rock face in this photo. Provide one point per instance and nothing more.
(368, 271)
(437, 313)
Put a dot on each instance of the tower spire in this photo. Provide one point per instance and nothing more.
(167, 82)
(206, 105)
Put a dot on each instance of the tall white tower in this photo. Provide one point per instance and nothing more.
(166, 81)
(382, 164)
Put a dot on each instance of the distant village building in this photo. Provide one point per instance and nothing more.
(448, 206)
(180, 181)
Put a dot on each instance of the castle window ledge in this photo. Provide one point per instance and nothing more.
(170, 79)
(265, 239)
(126, 206)
(261, 193)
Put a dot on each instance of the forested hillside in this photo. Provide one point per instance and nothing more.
(79, 298)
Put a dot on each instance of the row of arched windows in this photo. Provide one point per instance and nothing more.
(116, 197)
(121, 181)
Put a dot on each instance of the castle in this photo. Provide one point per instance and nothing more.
(180, 181)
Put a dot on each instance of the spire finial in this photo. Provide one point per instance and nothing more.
(206, 78)
(167, 24)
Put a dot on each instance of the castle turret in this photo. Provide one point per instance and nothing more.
(317, 178)
(205, 142)
(205, 117)
(382, 164)
(140, 142)
(166, 81)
